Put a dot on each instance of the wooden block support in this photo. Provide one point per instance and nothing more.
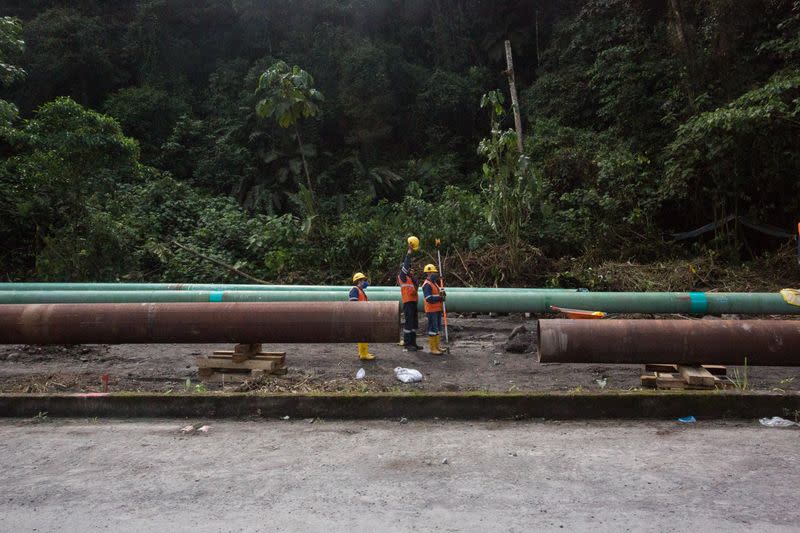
(649, 380)
(247, 348)
(279, 358)
(229, 364)
(245, 361)
(661, 368)
(696, 376)
(229, 354)
(717, 370)
(670, 381)
(242, 352)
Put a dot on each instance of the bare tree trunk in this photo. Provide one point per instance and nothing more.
(538, 53)
(305, 165)
(676, 12)
(687, 51)
(514, 101)
(220, 263)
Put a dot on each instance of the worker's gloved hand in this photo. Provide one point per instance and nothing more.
(443, 295)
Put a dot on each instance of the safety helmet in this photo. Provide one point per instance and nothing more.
(358, 276)
(431, 269)
(414, 243)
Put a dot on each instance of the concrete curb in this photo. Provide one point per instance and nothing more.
(552, 405)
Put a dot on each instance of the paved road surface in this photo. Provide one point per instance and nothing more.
(387, 476)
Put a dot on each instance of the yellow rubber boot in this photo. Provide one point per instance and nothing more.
(433, 343)
(439, 344)
(363, 352)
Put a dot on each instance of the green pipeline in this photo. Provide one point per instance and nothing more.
(225, 287)
(694, 303)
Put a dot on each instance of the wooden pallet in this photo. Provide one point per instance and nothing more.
(245, 361)
(685, 377)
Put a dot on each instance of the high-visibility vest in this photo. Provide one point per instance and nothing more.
(362, 296)
(408, 291)
(433, 307)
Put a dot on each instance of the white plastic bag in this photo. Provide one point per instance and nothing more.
(776, 422)
(361, 373)
(408, 375)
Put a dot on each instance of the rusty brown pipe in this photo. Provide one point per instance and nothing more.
(289, 322)
(723, 342)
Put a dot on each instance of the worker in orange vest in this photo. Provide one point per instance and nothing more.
(434, 299)
(408, 294)
(357, 294)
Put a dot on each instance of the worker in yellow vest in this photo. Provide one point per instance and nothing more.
(434, 299)
(357, 294)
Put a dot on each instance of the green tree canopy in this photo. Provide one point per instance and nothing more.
(288, 96)
(68, 164)
(147, 114)
(10, 45)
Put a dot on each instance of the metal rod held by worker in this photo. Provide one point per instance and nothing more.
(441, 283)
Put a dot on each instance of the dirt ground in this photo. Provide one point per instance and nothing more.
(388, 476)
(477, 361)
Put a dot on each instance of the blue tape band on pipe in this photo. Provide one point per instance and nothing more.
(698, 303)
(215, 296)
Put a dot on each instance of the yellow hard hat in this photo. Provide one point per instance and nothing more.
(358, 276)
(414, 243)
(431, 269)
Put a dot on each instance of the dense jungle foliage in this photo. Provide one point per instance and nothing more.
(300, 141)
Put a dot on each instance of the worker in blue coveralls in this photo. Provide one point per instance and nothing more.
(408, 294)
(357, 294)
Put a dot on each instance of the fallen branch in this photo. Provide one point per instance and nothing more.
(467, 271)
(220, 263)
(452, 272)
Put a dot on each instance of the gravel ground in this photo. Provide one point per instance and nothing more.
(477, 361)
(391, 476)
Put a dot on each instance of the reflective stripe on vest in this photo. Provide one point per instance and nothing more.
(408, 291)
(432, 307)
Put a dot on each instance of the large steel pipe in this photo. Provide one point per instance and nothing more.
(696, 303)
(723, 342)
(34, 286)
(327, 322)
(54, 297)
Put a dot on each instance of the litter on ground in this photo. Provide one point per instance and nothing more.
(776, 422)
(194, 429)
(408, 375)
